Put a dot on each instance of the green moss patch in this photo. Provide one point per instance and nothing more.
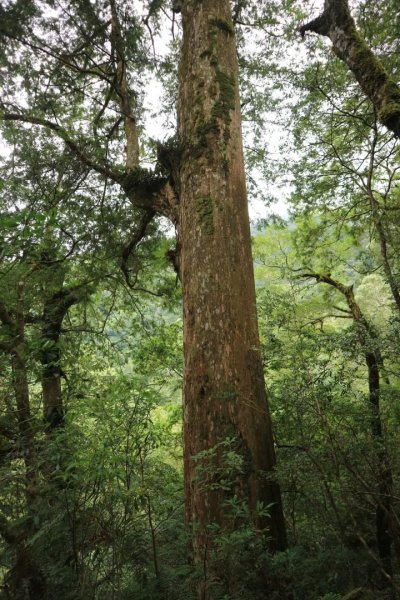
(389, 114)
(205, 210)
(226, 100)
(222, 25)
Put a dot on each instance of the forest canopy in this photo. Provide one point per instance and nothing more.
(195, 404)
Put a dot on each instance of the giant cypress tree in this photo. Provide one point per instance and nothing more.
(199, 184)
(224, 387)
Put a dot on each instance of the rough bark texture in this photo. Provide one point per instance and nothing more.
(337, 23)
(224, 393)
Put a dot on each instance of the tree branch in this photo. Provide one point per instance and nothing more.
(103, 169)
(122, 88)
(346, 290)
(144, 188)
(151, 192)
(337, 23)
(134, 241)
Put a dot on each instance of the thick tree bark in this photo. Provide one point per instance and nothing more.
(224, 393)
(385, 519)
(337, 23)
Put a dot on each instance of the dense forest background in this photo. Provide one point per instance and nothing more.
(91, 458)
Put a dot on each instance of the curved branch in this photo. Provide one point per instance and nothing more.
(134, 242)
(151, 192)
(346, 290)
(373, 359)
(145, 189)
(103, 169)
(337, 23)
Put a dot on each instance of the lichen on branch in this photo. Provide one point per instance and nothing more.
(337, 23)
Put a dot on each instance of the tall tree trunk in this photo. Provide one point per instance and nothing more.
(385, 479)
(386, 528)
(50, 357)
(55, 309)
(224, 393)
(25, 579)
(26, 432)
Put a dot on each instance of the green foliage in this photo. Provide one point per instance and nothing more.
(318, 390)
(98, 512)
(222, 25)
